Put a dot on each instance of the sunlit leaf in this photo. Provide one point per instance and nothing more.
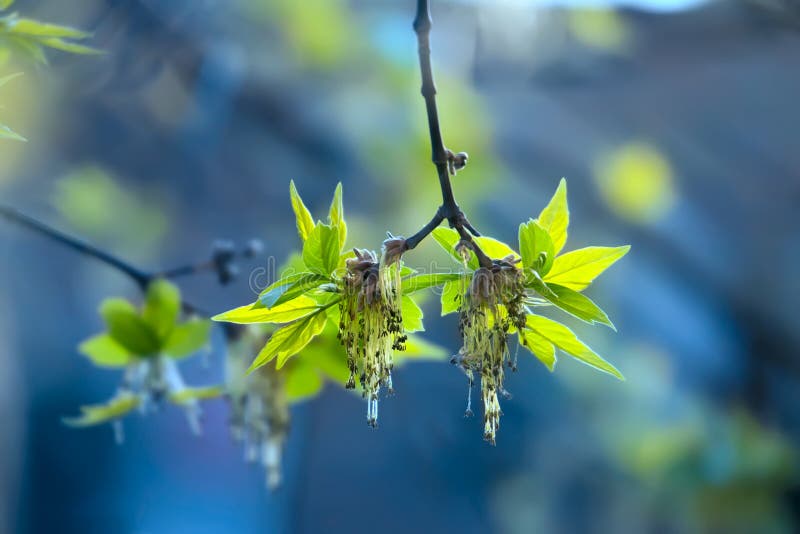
(578, 268)
(162, 305)
(282, 313)
(305, 222)
(96, 414)
(577, 304)
(8, 133)
(566, 340)
(22, 26)
(290, 287)
(536, 247)
(539, 346)
(5, 4)
(128, 328)
(103, 351)
(289, 340)
(336, 215)
(555, 217)
(321, 249)
(452, 295)
(5, 79)
(189, 395)
(414, 283)
(448, 238)
(72, 48)
(412, 315)
(302, 381)
(417, 348)
(188, 338)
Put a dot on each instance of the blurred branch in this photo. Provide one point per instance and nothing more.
(445, 161)
(221, 260)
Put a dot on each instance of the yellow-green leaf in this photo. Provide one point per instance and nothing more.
(72, 48)
(289, 340)
(555, 217)
(539, 346)
(417, 282)
(5, 79)
(290, 287)
(566, 340)
(103, 351)
(321, 249)
(35, 28)
(8, 133)
(187, 338)
(302, 381)
(448, 238)
(452, 294)
(336, 215)
(412, 315)
(189, 395)
(128, 328)
(305, 222)
(282, 313)
(418, 348)
(536, 247)
(577, 304)
(162, 305)
(578, 268)
(5, 4)
(95, 414)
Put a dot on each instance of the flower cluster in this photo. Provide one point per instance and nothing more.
(371, 324)
(259, 409)
(493, 303)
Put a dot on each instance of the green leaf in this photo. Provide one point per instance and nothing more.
(305, 222)
(189, 395)
(187, 338)
(336, 215)
(554, 218)
(72, 48)
(452, 295)
(412, 315)
(448, 238)
(418, 348)
(321, 249)
(413, 283)
(162, 305)
(282, 313)
(5, 4)
(536, 247)
(577, 269)
(566, 340)
(103, 351)
(540, 347)
(8, 133)
(577, 304)
(5, 79)
(289, 340)
(128, 328)
(302, 381)
(290, 287)
(35, 28)
(95, 414)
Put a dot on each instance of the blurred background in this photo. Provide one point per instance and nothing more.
(677, 126)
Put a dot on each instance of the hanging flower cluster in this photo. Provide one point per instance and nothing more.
(259, 408)
(371, 325)
(146, 344)
(491, 306)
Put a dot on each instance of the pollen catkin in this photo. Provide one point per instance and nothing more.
(493, 303)
(371, 325)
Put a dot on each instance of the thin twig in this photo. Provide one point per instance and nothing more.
(441, 156)
(141, 277)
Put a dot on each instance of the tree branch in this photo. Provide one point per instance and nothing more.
(445, 161)
(142, 278)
